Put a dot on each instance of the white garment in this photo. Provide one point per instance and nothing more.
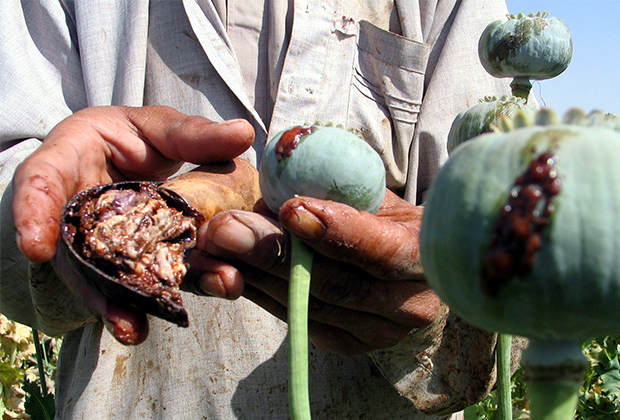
(334, 61)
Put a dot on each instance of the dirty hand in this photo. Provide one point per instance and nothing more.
(368, 290)
(100, 145)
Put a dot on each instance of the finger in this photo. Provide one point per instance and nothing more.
(375, 314)
(210, 276)
(127, 325)
(259, 242)
(333, 328)
(272, 305)
(152, 141)
(44, 182)
(103, 144)
(404, 303)
(347, 343)
(248, 237)
(387, 249)
(399, 210)
(189, 138)
(410, 303)
(328, 338)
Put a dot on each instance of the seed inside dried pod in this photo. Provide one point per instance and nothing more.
(134, 235)
(129, 239)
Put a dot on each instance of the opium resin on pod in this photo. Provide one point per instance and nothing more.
(521, 231)
(323, 162)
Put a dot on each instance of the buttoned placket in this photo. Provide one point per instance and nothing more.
(316, 89)
(316, 77)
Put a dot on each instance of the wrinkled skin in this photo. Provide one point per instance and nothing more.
(368, 289)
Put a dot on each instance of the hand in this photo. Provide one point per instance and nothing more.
(368, 290)
(100, 145)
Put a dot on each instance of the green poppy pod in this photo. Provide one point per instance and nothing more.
(482, 117)
(535, 46)
(323, 162)
(521, 231)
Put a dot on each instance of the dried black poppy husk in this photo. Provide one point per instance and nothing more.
(103, 256)
(129, 239)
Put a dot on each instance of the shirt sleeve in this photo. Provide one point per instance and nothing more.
(445, 367)
(38, 56)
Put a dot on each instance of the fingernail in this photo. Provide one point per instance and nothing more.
(126, 326)
(124, 331)
(302, 222)
(212, 284)
(234, 121)
(18, 240)
(234, 237)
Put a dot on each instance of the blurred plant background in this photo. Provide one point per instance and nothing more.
(600, 392)
(24, 396)
(23, 362)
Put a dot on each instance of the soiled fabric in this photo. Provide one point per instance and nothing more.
(395, 71)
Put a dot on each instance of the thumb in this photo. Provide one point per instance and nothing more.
(385, 248)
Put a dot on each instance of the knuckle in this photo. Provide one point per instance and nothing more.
(422, 309)
(336, 341)
(270, 254)
(381, 335)
(343, 288)
(255, 294)
(400, 262)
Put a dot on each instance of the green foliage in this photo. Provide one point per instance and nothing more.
(600, 392)
(600, 398)
(20, 381)
(39, 406)
(16, 364)
(487, 409)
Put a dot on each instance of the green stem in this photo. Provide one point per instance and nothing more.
(299, 293)
(553, 400)
(472, 413)
(504, 345)
(39, 352)
(554, 372)
(521, 87)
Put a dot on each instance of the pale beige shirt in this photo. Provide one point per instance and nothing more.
(340, 61)
(258, 32)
